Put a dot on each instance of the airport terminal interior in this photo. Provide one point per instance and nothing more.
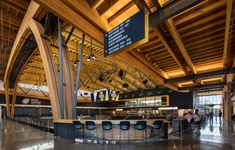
(117, 74)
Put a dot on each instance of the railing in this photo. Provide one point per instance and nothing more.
(177, 128)
(45, 124)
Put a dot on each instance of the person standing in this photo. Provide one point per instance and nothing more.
(211, 116)
(220, 115)
(197, 118)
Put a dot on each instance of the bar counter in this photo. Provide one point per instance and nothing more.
(115, 122)
(64, 128)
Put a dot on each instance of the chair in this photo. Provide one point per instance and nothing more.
(78, 126)
(90, 126)
(106, 126)
(124, 126)
(141, 126)
(157, 126)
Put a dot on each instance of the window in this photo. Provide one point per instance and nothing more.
(210, 100)
(34, 87)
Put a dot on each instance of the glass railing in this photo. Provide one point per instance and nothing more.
(44, 123)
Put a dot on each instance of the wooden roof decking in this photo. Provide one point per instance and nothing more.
(11, 15)
(188, 43)
(91, 71)
(203, 34)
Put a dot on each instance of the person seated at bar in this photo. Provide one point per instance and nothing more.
(187, 120)
(189, 117)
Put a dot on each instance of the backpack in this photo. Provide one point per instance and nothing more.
(196, 118)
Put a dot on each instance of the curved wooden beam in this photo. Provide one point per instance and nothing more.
(45, 52)
(16, 85)
(68, 83)
(49, 66)
(32, 9)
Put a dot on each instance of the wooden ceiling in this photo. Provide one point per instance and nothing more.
(92, 70)
(200, 39)
(11, 15)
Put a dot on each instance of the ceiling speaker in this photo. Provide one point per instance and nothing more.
(125, 85)
(121, 74)
(101, 78)
(145, 81)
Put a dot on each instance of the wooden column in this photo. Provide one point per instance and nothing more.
(7, 98)
(68, 79)
(223, 101)
(49, 65)
(68, 85)
(14, 100)
(228, 106)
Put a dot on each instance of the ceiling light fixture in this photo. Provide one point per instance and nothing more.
(91, 56)
(125, 85)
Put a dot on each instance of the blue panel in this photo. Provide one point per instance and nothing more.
(63, 130)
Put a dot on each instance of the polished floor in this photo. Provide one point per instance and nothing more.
(214, 135)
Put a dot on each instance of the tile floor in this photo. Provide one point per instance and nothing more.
(213, 136)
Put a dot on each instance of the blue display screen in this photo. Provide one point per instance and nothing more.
(127, 33)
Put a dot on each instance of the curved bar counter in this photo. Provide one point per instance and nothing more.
(65, 128)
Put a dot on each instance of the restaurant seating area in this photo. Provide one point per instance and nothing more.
(117, 74)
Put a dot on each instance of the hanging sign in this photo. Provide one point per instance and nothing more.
(128, 35)
(105, 95)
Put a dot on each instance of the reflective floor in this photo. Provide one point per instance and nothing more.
(214, 135)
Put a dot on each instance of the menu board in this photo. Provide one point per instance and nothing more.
(133, 31)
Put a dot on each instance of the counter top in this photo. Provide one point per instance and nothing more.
(70, 121)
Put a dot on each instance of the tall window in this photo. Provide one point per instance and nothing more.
(34, 87)
(215, 100)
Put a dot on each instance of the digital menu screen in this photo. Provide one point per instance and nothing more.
(127, 33)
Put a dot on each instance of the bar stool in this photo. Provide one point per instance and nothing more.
(90, 126)
(124, 126)
(107, 126)
(141, 126)
(157, 126)
(78, 126)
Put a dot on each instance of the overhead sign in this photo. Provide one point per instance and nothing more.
(21, 100)
(128, 35)
(32, 101)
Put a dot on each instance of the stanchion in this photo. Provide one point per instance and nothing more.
(48, 126)
(181, 135)
(165, 130)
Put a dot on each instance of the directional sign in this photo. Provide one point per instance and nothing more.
(129, 34)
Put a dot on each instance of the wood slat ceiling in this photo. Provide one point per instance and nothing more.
(197, 35)
(206, 27)
(91, 71)
(11, 15)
